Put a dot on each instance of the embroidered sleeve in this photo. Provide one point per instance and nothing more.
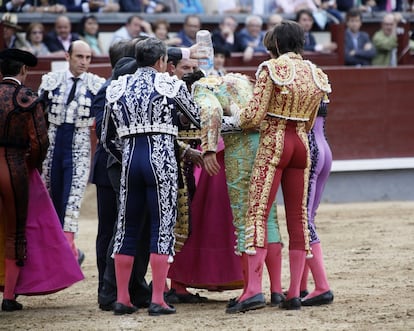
(187, 106)
(256, 110)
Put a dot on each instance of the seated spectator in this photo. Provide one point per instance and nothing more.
(291, 7)
(10, 28)
(144, 6)
(251, 37)
(89, 32)
(305, 19)
(225, 35)
(15, 6)
(359, 49)
(192, 24)
(234, 7)
(385, 42)
(363, 5)
(161, 31)
(34, 36)
(190, 7)
(59, 39)
(388, 6)
(331, 7)
(76, 6)
(273, 20)
(220, 56)
(135, 27)
(46, 6)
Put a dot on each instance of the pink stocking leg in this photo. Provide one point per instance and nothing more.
(317, 268)
(11, 275)
(123, 269)
(255, 273)
(159, 268)
(274, 266)
(296, 264)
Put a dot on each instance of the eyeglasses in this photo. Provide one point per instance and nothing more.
(36, 32)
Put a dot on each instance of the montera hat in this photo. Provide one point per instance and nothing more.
(25, 57)
(10, 20)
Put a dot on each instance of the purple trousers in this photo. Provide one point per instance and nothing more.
(321, 162)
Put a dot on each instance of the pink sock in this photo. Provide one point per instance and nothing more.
(317, 268)
(123, 269)
(304, 280)
(159, 268)
(274, 266)
(296, 265)
(11, 276)
(255, 273)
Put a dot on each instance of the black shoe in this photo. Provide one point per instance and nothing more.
(276, 299)
(11, 305)
(302, 294)
(321, 299)
(156, 310)
(106, 307)
(172, 297)
(255, 302)
(121, 309)
(291, 304)
(232, 302)
(81, 256)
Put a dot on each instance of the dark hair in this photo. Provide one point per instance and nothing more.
(159, 22)
(149, 51)
(353, 12)
(303, 12)
(130, 18)
(82, 24)
(10, 67)
(117, 51)
(286, 37)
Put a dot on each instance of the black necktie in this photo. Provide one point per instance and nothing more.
(72, 90)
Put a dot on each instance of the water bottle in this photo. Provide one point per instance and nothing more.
(205, 49)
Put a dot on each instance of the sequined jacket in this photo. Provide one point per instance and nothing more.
(145, 102)
(78, 112)
(22, 122)
(287, 87)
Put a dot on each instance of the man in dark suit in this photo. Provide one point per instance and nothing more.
(359, 50)
(62, 36)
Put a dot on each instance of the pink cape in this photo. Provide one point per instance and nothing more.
(50, 265)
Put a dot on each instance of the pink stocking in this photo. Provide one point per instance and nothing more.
(159, 268)
(70, 236)
(255, 272)
(11, 276)
(123, 269)
(317, 268)
(274, 266)
(304, 281)
(296, 264)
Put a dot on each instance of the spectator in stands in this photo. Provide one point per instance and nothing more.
(192, 24)
(291, 7)
(385, 42)
(46, 6)
(34, 36)
(234, 7)
(60, 38)
(76, 6)
(388, 6)
(161, 31)
(362, 5)
(251, 37)
(15, 6)
(273, 20)
(190, 7)
(220, 56)
(10, 28)
(225, 35)
(305, 19)
(359, 50)
(135, 27)
(144, 6)
(89, 32)
(331, 7)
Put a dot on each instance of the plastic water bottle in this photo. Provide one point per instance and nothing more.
(205, 49)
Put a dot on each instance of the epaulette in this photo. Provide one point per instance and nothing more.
(93, 82)
(282, 70)
(209, 82)
(116, 88)
(167, 85)
(25, 98)
(52, 80)
(320, 78)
